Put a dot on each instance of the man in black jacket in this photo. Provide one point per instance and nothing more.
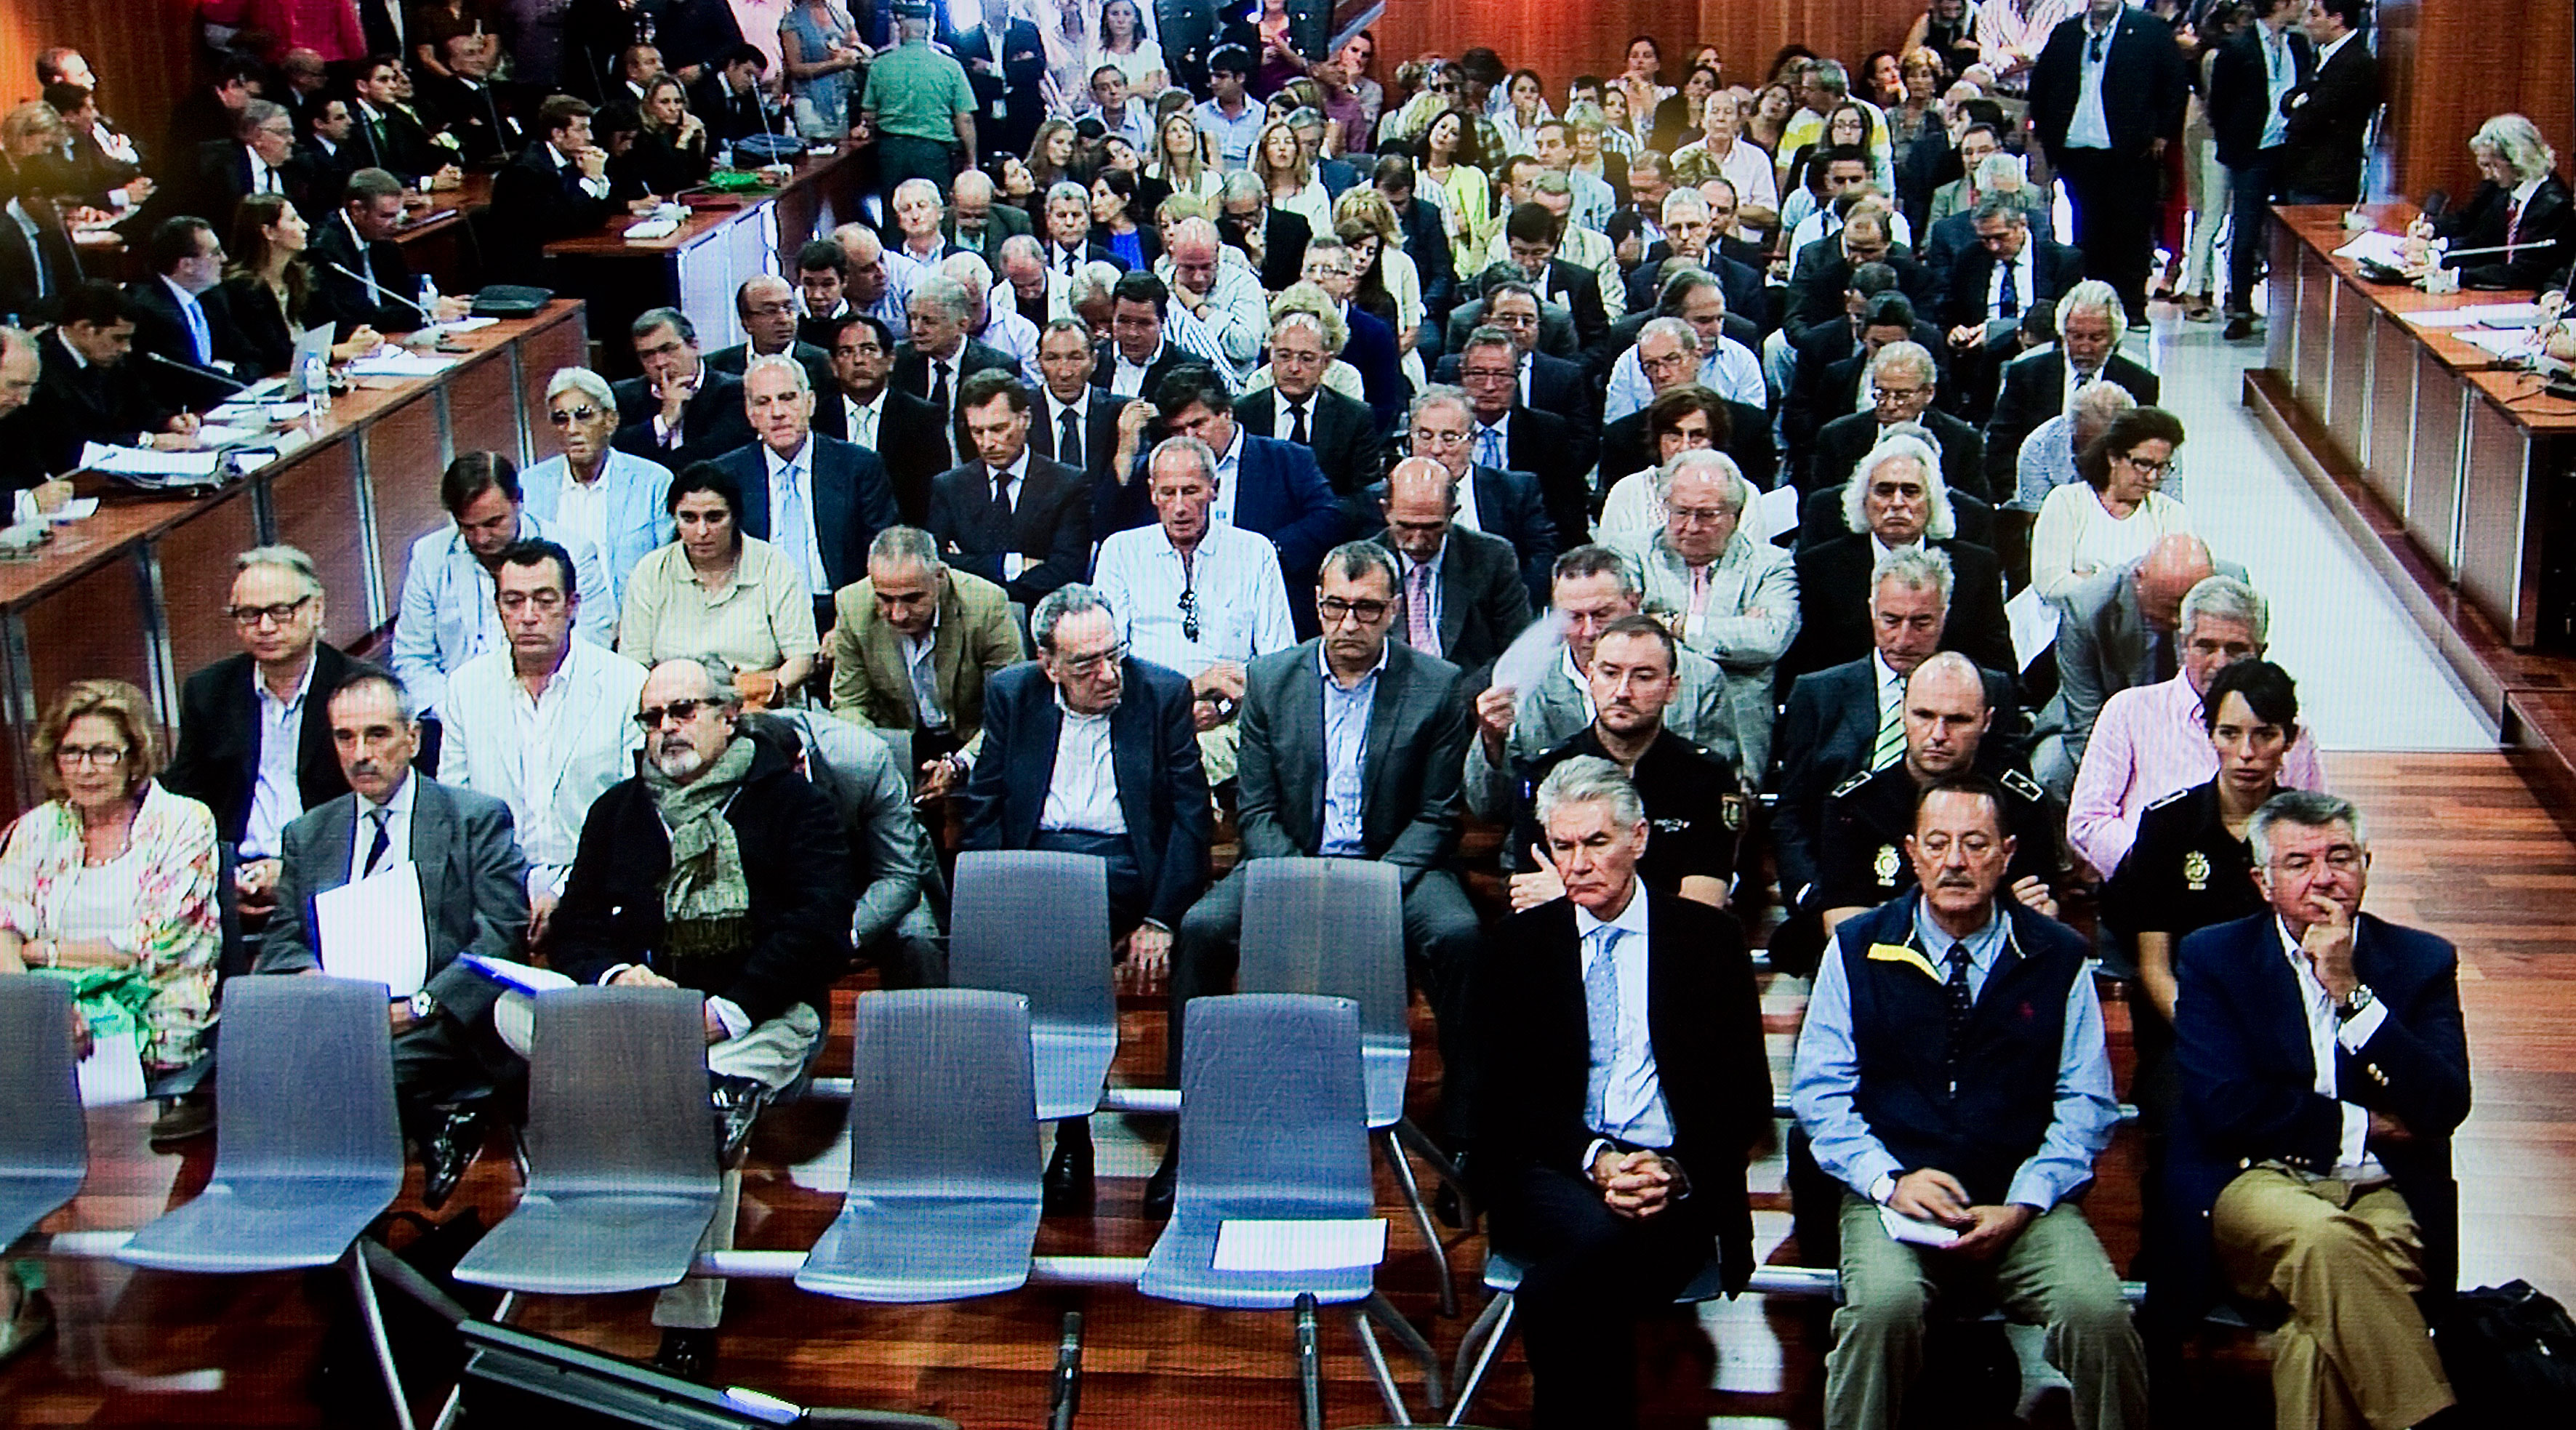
(1297, 407)
(729, 99)
(181, 320)
(1004, 65)
(862, 406)
(680, 411)
(386, 135)
(555, 188)
(1009, 515)
(359, 273)
(2329, 113)
(2039, 385)
(90, 391)
(472, 108)
(2253, 75)
(2106, 97)
(34, 271)
(1903, 504)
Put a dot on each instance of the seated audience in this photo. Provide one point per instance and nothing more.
(1264, 484)
(2039, 385)
(2050, 453)
(2120, 510)
(2118, 630)
(863, 408)
(941, 356)
(765, 305)
(1299, 407)
(717, 590)
(1072, 422)
(1896, 501)
(1010, 516)
(1726, 366)
(1901, 382)
(1137, 356)
(681, 410)
(895, 926)
(817, 499)
(611, 501)
(389, 136)
(1725, 593)
(913, 646)
(1494, 500)
(447, 616)
(1683, 417)
(257, 159)
(1509, 435)
(479, 114)
(672, 150)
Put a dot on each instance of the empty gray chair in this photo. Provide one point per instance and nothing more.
(44, 1140)
(1484, 1341)
(944, 1199)
(622, 1174)
(1036, 923)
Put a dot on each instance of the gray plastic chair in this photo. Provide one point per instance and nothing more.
(622, 1174)
(1336, 927)
(944, 1196)
(1036, 923)
(44, 1139)
(1274, 1126)
(1484, 1341)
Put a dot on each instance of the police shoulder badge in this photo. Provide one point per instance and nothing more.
(2195, 871)
(1885, 865)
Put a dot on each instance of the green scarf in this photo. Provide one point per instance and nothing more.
(706, 906)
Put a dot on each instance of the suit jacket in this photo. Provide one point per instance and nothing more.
(320, 175)
(1833, 602)
(711, 425)
(343, 299)
(2240, 91)
(73, 404)
(484, 121)
(816, 361)
(1705, 1022)
(1842, 442)
(2144, 83)
(1483, 603)
(1748, 293)
(2102, 649)
(1560, 455)
(1049, 524)
(595, 747)
(223, 176)
(1557, 385)
(1557, 337)
(2034, 390)
(403, 149)
(1284, 237)
(1509, 505)
(2542, 237)
(1154, 756)
(1012, 79)
(1005, 222)
(728, 116)
(160, 328)
(2248, 1085)
(852, 500)
(1343, 432)
(1571, 286)
(912, 371)
(1822, 274)
(18, 268)
(2329, 118)
(1104, 370)
(1279, 492)
(2054, 268)
(542, 204)
(1419, 726)
(973, 640)
(473, 888)
(217, 762)
(1372, 350)
(1099, 423)
(909, 440)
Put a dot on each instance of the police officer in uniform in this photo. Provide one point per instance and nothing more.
(1862, 861)
(1694, 802)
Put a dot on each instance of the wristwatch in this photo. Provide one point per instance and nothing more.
(2355, 1002)
(424, 1006)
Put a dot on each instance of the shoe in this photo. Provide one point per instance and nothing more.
(447, 1153)
(1068, 1172)
(2240, 327)
(2198, 310)
(1446, 1202)
(687, 1354)
(1161, 1187)
(739, 1101)
(34, 1322)
(182, 1118)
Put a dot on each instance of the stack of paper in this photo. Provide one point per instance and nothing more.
(400, 364)
(2482, 315)
(214, 435)
(1901, 1227)
(373, 931)
(2375, 247)
(2512, 345)
(149, 466)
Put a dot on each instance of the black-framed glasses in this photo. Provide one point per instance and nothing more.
(1335, 610)
(276, 615)
(678, 712)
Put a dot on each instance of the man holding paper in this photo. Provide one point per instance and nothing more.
(393, 883)
(1953, 1077)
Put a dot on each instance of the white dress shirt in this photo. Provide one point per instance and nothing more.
(1052, 411)
(1229, 466)
(861, 418)
(581, 508)
(2025, 273)
(1127, 379)
(1632, 1097)
(2353, 1159)
(1083, 792)
(1234, 585)
(276, 797)
(791, 513)
(397, 830)
(2089, 127)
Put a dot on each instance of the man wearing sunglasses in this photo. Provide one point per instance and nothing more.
(593, 492)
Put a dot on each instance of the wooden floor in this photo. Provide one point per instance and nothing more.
(2461, 846)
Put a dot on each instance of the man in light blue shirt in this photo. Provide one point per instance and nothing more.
(611, 501)
(447, 616)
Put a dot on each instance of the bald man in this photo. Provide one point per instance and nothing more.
(1463, 598)
(877, 283)
(975, 221)
(20, 466)
(766, 305)
(2119, 630)
(1222, 301)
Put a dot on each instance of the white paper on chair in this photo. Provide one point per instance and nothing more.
(1901, 1227)
(373, 931)
(2034, 624)
(1775, 511)
(113, 1071)
(1247, 1245)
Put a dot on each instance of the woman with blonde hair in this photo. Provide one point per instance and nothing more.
(1182, 159)
(1289, 180)
(1449, 162)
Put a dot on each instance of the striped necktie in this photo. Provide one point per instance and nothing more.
(1891, 729)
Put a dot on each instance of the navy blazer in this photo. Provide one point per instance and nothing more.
(2248, 1085)
(2240, 91)
(712, 424)
(853, 501)
(1344, 438)
(1162, 789)
(1050, 520)
(1280, 492)
(1510, 505)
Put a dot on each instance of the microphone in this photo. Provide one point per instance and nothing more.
(194, 370)
(381, 291)
(2503, 247)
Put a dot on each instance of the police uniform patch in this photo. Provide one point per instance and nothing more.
(2195, 870)
(1849, 785)
(1885, 866)
(2023, 785)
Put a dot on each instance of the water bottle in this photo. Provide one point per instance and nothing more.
(315, 379)
(428, 299)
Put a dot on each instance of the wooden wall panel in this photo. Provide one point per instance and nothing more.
(143, 51)
(1561, 41)
(2449, 65)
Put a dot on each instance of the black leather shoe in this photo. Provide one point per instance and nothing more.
(2240, 327)
(1068, 1172)
(1446, 1201)
(449, 1151)
(1160, 1186)
(739, 1101)
(687, 1354)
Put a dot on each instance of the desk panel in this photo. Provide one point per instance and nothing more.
(403, 465)
(2499, 565)
(483, 410)
(2433, 479)
(2389, 456)
(195, 561)
(2348, 371)
(93, 627)
(2317, 287)
(315, 500)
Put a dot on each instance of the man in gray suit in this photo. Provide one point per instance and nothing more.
(1351, 749)
(473, 898)
(2120, 628)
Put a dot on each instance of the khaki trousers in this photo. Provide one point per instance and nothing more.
(2355, 1351)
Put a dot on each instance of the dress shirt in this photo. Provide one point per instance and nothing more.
(581, 508)
(192, 316)
(1491, 442)
(1229, 467)
(1825, 223)
(541, 745)
(2025, 273)
(1083, 792)
(1749, 170)
(263, 179)
(1283, 422)
(1232, 330)
(2089, 127)
(862, 418)
(1469, 515)
(1067, 261)
(1052, 410)
(1234, 136)
(276, 797)
(2078, 381)
(1827, 1078)
(397, 830)
(901, 274)
(1127, 379)
(2353, 1159)
(2328, 51)
(1130, 123)
(1233, 575)
(2148, 742)
(2280, 76)
(1014, 337)
(1346, 727)
(1731, 371)
(1632, 1092)
(1013, 481)
(920, 666)
(791, 512)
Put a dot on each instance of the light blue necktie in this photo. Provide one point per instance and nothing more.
(1601, 1015)
(1489, 448)
(795, 528)
(198, 338)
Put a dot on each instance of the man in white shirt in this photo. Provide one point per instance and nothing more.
(1726, 367)
(447, 615)
(1210, 297)
(878, 283)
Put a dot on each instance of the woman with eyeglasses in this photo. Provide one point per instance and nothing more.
(714, 589)
(2117, 512)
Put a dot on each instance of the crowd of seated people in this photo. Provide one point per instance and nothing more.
(1173, 452)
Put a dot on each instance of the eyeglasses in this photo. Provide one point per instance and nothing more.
(1698, 515)
(2145, 468)
(1430, 437)
(1100, 660)
(108, 756)
(276, 615)
(678, 712)
(570, 416)
(1898, 395)
(1189, 613)
(1335, 610)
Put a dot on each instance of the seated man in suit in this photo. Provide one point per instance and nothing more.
(818, 499)
(1352, 745)
(1726, 594)
(542, 724)
(1896, 500)
(2324, 1067)
(822, 292)
(1531, 236)
(1902, 379)
(476, 111)
(680, 411)
(894, 927)
(1092, 751)
(1273, 239)
(1137, 357)
(941, 356)
(473, 899)
(2119, 629)
(721, 870)
(1492, 500)
(181, 321)
(1511, 436)
(615, 502)
(448, 614)
(1369, 346)
(2040, 385)
(360, 277)
(1297, 407)
(388, 136)
(730, 97)
(1993, 285)
(1612, 1147)
(1463, 596)
(555, 188)
(912, 647)
(863, 407)
(257, 159)
(1010, 516)
(1820, 391)
(38, 260)
(765, 304)
(1069, 244)
(1072, 422)
(1198, 596)
(1263, 484)
(976, 222)
(1542, 328)
(282, 681)
(1726, 367)
(89, 392)
(1952, 1072)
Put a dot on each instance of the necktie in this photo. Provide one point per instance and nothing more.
(1297, 432)
(1891, 731)
(939, 388)
(925, 691)
(1962, 1003)
(1700, 581)
(384, 840)
(1601, 1019)
(2008, 302)
(199, 340)
(1068, 439)
(863, 424)
(794, 529)
(2512, 229)
(1002, 498)
(1489, 448)
(1420, 632)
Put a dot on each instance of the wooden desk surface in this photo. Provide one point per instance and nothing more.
(445, 210)
(710, 212)
(2518, 395)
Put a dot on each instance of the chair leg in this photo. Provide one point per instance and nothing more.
(456, 1397)
(1310, 1367)
(1419, 1143)
(374, 1316)
(1384, 1313)
(1064, 1398)
(1385, 1378)
(1386, 1143)
(1497, 1326)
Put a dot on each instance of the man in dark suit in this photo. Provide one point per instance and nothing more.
(1273, 238)
(257, 159)
(1533, 232)
(1145, 815)
(1352, 748)
(473, 899)
(863, 407)
(2329, 112)
(1547, 330)
(1298, 408)
(2256, 70)
(2106, 97)
(935, 364)
(1903, 504)
(1010, 516)
(1274, 486)
(1072, 421)
(1004, 65)
(324, 156)
(180, 317)
(35, 267)
(1824, 272)
(1510, 435)
(555, 188)
(729, 99)
(819, 500)
(1426, 239)
(1551, 381)
(976, 222)
(2010, 269)
(680, 411)
(1135, 359)
(360, 275)
(1902, 383)
(1463, 596)
(206, 112)
(90, 391)
(2323, 1067)
(1493, 500)
(2039, 385)
(766, 307)
(386, 135)
(472, 108)
(1613, 1200)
